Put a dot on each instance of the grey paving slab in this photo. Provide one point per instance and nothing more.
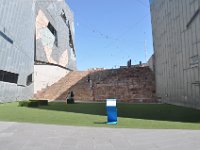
(27, 136)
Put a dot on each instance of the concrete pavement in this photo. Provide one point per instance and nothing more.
(27, 136)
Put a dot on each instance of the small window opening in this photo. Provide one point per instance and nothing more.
(54, 32)
(71, 43)
(29, 80)
(63, 16)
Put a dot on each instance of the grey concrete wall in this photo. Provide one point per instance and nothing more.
(151, 63)
(17, 24)
(176, 35)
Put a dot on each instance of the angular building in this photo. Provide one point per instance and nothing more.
(36, 46)
(176, 36)
(54, 43)
(16, 49)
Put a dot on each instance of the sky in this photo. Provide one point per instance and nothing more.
(110, 32)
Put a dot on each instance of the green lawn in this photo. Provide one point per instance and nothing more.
(156, 116)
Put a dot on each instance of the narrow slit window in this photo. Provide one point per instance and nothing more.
(54, 32)
(71, 43)
(63, 16)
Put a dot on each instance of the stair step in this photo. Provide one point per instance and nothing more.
(123, 84)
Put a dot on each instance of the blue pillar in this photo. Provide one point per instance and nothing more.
(111, 111)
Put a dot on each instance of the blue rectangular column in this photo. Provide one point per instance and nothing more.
(111, 111)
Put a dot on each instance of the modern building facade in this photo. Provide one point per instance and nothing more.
(54, 42)
(16, 49)
(36, 46)
(176, 36)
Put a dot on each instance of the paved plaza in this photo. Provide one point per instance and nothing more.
(27, 136)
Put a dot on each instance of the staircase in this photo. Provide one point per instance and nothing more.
(54, 91)
(125, 84)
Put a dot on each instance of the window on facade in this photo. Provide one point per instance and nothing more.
(1, 75)
(63, 16)
(70, 40)
(29, 80)
(54, 32)
(71, 43)
(8, 77)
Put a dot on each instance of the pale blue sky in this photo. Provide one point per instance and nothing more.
(109, 32)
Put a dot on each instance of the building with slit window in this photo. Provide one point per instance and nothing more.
(16, 49)
(36, 46)
(54, 43)
(176, 36)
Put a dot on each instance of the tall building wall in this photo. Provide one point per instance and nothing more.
(176, 35)
(151, 63)
(54, 42)
(54, 33)
(16, 49)
(36, 46)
